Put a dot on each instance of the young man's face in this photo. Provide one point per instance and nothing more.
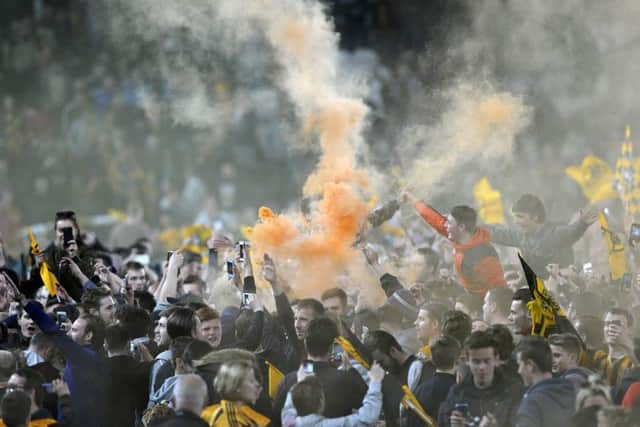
(615, 328)
(525, 369)
(78, 332)
(137, 280)
(426, 328)
(525, 222)
(161, 337)
(482, 364)
(335, 305)
(385, 360)
(107, 310)
(27, 326)
(303, 316)
(561, 360)
(519, 317)
(454, 230)
(211, 331)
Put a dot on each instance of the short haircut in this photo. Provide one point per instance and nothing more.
(313, 304)
(504, 340)
(181, 323)
(320, 336)
(481, 339)
(230, 377)
(502, 297)
(382, 341)
(457, 324)
(335, 293)
(195, 280)
(33, 380)
(522, 294)
(116, 337)
(445, 351)
(196, 350)
(308, 396)
(621, 312)
(96, 326)
(134, 265)
(145, 300)
(465, 215)
(530, 205)
(207, 313)
(178, 346)
(435, 311)
(568, 342)
(537, 350)
(135, 320)
(91, 297)
(15, 408)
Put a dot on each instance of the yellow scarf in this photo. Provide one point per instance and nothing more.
(227, 414)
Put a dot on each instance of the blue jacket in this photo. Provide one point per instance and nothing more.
(85, 372)
(549, 403)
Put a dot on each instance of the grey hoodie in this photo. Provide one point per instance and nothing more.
(367, 415)
(549, 403)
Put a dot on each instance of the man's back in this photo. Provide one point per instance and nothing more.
(127, 390)
(548, 403)
(431, 394)
(343, 390)
(181, 419)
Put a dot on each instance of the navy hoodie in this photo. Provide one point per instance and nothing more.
(549, 403)
(85, 371)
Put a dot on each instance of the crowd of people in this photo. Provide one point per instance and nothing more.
(93, 337)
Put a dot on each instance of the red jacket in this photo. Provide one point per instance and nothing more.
(476, 261)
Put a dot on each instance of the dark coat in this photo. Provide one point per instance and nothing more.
(549, 403)
(502, 399)
(128, 390)
(181, 419)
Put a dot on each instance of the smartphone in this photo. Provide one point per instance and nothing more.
(634, 233)
(61, 317)
(587, 268)
(169, 254)
(248, 298)
(67, 235)
(241, 246)
(137, 341)
(229, 266)
(336, 353)
(463, 408)
(307, 367)
(48, 387)
(627, 282)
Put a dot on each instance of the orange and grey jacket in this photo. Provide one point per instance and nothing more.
(476, 261)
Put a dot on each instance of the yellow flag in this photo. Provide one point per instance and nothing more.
(352, 352)
(595, 177)
(409, 401)
(489, 201)
(48, 278)
(274, 377)
(615, 246)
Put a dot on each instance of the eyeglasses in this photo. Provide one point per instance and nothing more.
(65, 215)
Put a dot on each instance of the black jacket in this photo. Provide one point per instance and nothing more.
(128, 390)
(181, 419)
(343, 391)
(502, 399)
(549, 403)
(431, 394)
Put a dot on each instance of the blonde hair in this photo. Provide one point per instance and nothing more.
(230, 378)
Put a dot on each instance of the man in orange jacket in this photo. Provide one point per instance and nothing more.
(475, 259)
